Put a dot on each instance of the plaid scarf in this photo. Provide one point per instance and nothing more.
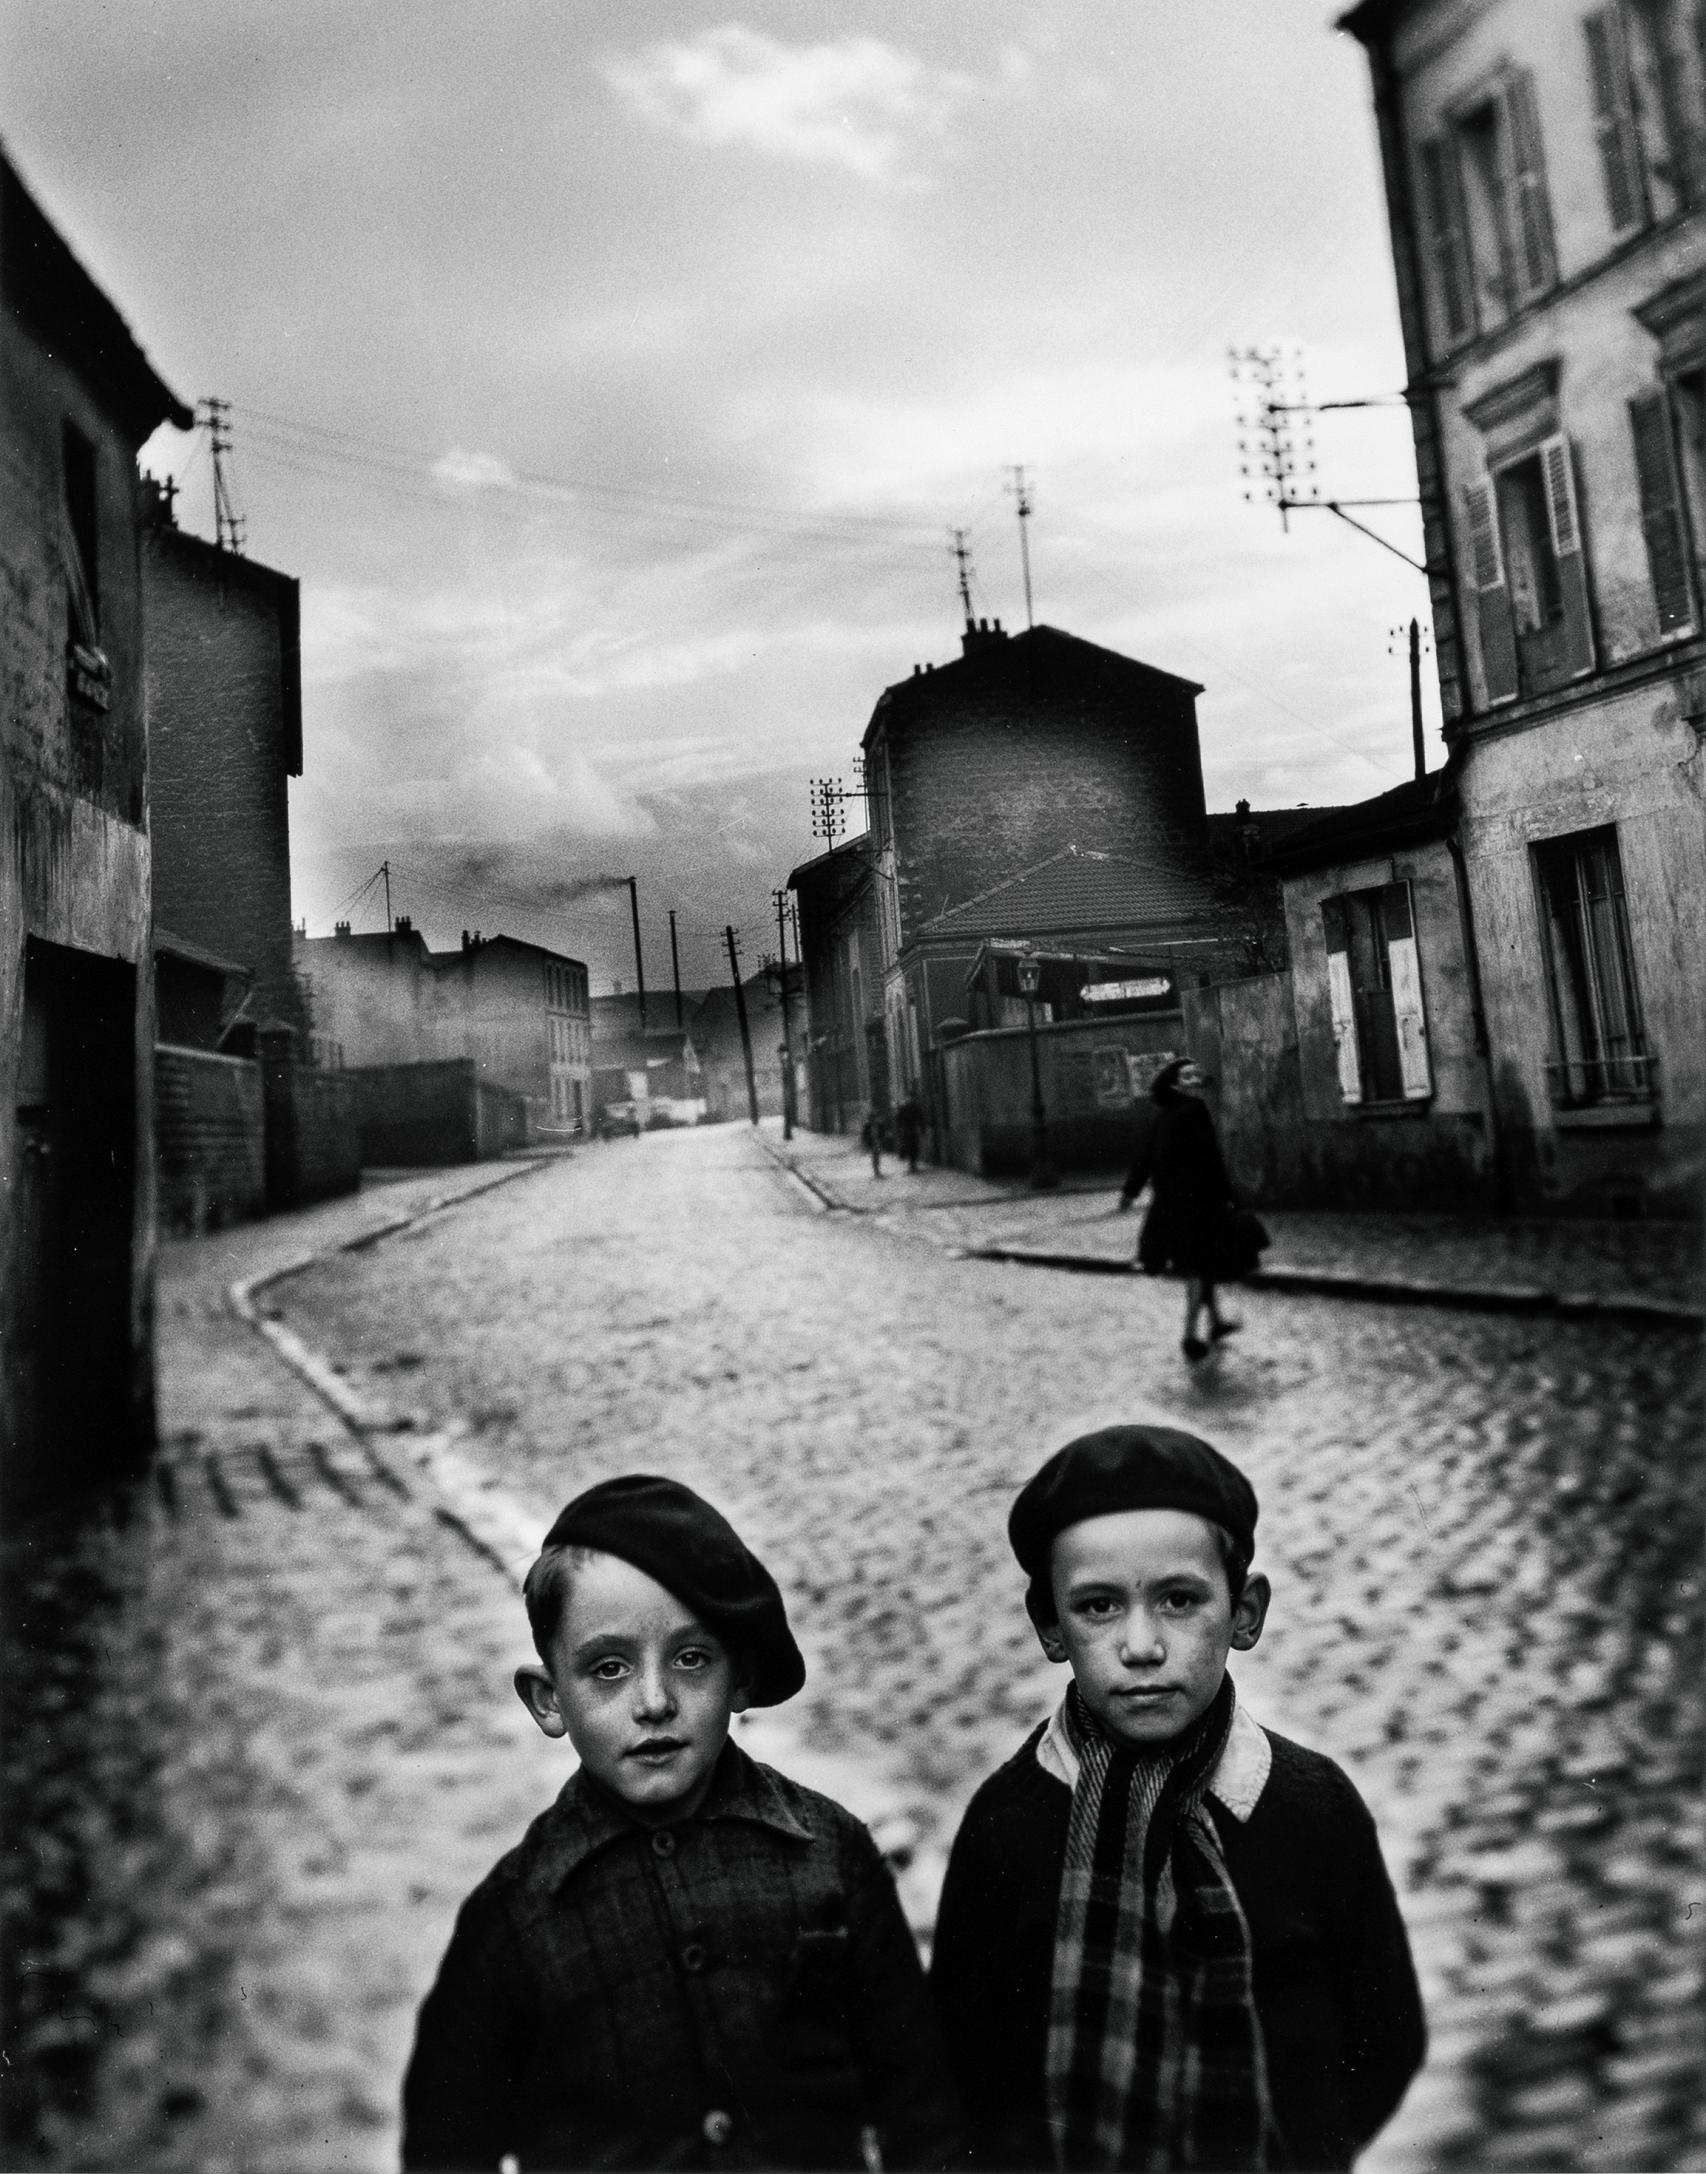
(1155, 2056)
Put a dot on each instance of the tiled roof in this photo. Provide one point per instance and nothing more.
(1420, 809)
(1074, 890)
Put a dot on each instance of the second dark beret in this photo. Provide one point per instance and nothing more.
(1129, 1468)
(676, 1537)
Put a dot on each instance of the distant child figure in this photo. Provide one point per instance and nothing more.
(688, 1961)
(909, 1131)
(1167, 1937)
(871, 1133)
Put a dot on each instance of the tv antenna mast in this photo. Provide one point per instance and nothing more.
(1022, 495)
(961, 550)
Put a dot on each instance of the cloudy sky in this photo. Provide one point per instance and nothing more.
(611, 375)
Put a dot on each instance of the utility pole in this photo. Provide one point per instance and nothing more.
(781, 898)
(675, 970)
(962, 554)
(1416, 698)
(385, 871)
(745, 1031)
(1022, 494)
(639, 956)
(228, 524)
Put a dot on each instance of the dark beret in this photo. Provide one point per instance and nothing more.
(1129, 1468)
(692, 1550)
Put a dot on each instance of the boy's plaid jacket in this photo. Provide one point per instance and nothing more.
(740, 1990)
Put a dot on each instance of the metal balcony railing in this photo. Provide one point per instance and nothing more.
(1575, 1082)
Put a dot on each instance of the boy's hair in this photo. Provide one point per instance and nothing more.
(1235, 1559)
(545, 1589)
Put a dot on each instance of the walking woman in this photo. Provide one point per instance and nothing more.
(1194, 1228)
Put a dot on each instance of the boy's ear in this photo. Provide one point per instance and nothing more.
(1250, 1612)
(536, 1691)
(1049, 1638)
(740, 1698)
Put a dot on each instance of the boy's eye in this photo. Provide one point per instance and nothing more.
(609, 1670)
(1177, 1603)
(693, 1657)
(1099, 1608)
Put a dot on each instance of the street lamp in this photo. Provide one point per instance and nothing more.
(1042, 1170)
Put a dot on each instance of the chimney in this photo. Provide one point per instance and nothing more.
(981, 634)
(340, 928)
(464, 939)
(404, 926)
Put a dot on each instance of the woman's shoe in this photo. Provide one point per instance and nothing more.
(1218, 1329)
(1194, 1348)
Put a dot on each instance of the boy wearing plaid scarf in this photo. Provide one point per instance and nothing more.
(1167, 1938)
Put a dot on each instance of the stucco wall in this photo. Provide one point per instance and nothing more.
(1092, 1122)
(74, 859)
(1635, 762)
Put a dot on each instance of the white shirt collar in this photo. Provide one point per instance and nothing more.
(1238, 1780)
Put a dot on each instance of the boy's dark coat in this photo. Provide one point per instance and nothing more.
(739, 1990)
(1335, 1989)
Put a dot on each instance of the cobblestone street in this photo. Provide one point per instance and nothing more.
(267, 1738)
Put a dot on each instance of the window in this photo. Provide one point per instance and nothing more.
(1599, 1051)
(1485, 210)
(1529, 574)
(1375, 990)
(1664, 512)
(1622, 166)
(82, 550)
(1647, 92)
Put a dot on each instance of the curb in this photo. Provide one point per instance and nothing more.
(497, 1526)
(820, 1196)
(1511, 1298)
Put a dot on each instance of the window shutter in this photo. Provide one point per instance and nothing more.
(1565, 521)
(1443, 207)
(1536, 264)
(1614, 121)
(1662, 516)
(1492, 597)
(1405, 974)
(1333, 921)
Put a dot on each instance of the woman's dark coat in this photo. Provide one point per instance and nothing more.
(1187, 1228)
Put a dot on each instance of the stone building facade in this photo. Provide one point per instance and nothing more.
(519, 1011)
(76, 979)
(1546, 185)
(842, 1031)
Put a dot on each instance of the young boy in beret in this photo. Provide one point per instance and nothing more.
(688, 1961)
(1167, 1937)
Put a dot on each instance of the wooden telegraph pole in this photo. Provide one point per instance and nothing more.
(745, 1031)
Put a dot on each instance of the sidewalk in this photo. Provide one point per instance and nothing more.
(1598, 1270)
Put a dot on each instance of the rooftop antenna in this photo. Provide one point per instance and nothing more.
(230, 528)
(962, 552)
(1022, 495)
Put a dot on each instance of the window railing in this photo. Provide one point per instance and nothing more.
(1575, 1082)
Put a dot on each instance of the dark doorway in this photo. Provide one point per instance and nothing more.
(75, 1199)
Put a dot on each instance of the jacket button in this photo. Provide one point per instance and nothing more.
(693, 1956)
(717, 2126)
(663, 1843)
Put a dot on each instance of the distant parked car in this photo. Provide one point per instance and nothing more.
(620, 1118)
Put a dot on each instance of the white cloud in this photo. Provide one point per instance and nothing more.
(854, 102)
(467, 471)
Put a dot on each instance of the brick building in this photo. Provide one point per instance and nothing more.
(1025, 746)
(225, 738)
(1546, 189)
(76, 978)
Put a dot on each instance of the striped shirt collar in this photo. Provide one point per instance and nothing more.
(1238, 1779)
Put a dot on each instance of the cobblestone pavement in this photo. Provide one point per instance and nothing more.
(1572, 1256)
(282, 1746)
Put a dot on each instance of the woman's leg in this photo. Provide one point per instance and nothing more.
(1193, 1345)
